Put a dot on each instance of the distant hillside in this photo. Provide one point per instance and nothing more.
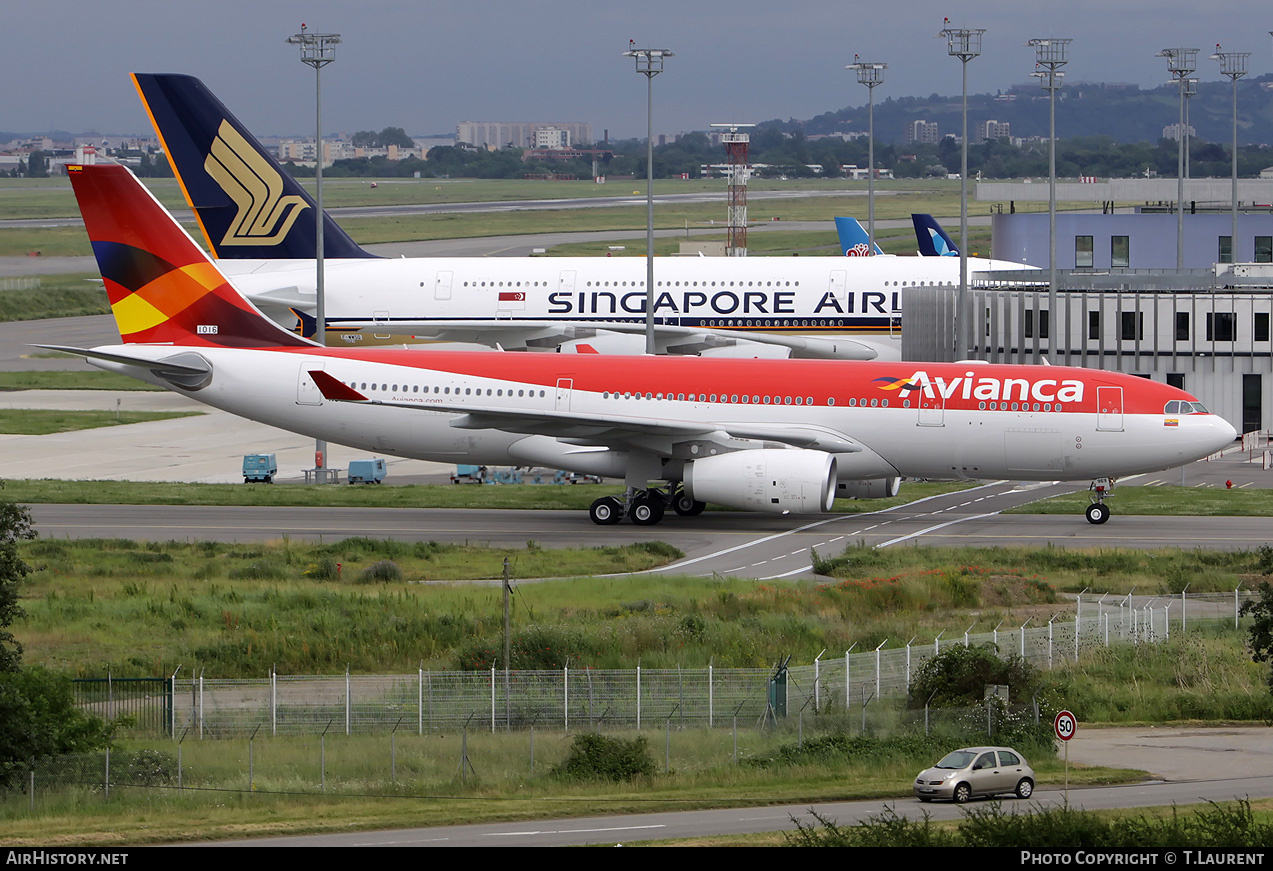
(1124, 112)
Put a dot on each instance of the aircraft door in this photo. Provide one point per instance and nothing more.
(564, 388)
(307, 392)
(932, 409)
(381, 329)
(1109, 409)
(442, 285)
(838, 289)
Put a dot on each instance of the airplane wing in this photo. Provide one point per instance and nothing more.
(669, 338)
(621, 432)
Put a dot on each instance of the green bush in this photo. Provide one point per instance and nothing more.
(383, 572)
(959, 676)
(326, 569)
(1220, 827)
(597, 757)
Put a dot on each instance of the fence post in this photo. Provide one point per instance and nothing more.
(419, 700)
(711, 693)
(200, 704)
(273, 701)
(877, 666)
(348, 700)
(847, 690)
(493, 696)
(638, 693)
(565, 696)
(817, 681)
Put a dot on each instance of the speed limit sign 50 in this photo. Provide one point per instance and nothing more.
(1066, 725)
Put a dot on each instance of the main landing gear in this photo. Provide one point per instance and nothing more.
(1098, 511)
(643, 507)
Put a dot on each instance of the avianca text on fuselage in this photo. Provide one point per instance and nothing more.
(971, 386)
(712, 302)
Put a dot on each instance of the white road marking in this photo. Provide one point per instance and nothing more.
(572, 831)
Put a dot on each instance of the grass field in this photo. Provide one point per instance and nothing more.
(40, 422)
(139, 609)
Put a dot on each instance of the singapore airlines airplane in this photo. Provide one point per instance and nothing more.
(779, 436)
(259, 223)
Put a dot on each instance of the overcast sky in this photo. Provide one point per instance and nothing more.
(425, 66)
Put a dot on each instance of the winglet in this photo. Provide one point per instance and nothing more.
(334, 389)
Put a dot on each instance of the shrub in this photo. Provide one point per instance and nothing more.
(326, 569)
(598, 757)
(959, 676)
(384, 571)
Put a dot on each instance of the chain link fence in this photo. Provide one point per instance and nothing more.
(572, 699)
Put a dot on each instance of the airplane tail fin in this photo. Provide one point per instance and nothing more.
(854, 240)
(933, 240)
(247, 205)
(162, 287)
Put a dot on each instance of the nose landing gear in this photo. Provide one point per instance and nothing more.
(1098, 512)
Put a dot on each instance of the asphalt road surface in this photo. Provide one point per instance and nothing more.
(1187, 766)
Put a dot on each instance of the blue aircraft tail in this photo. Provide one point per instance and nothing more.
(247, 206)
(932, 239)
(854, 240)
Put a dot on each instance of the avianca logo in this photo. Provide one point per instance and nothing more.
(970, 385)
(265, 216)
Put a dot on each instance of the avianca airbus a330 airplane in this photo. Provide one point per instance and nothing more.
(764, 435)
(259, 223)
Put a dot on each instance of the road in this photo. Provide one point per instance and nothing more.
(1187, 765)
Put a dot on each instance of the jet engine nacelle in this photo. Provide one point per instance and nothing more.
(869, 488)
(776, 481)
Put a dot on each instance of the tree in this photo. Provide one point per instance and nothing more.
(959, 676)
(15, 526)
(38, 716)
(37, 165)
(1260, 635)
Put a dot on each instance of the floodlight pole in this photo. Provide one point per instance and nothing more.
(317, 51)
(965, 45)
(1180, 63)
(649, 63)
(871, 75)
(1233, 65)
(1049, 56)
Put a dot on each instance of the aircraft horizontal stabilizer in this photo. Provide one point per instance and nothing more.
(186, 367)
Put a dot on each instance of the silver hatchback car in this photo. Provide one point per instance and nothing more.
(974, 771)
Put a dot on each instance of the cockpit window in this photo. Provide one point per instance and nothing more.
(1172, 407)
(1180, 406)
(1199, 408)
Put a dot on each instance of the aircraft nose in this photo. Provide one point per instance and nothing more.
(1225, 432)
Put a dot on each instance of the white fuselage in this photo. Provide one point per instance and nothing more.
(849, 297)
(893, 436)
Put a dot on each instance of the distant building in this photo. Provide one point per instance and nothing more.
(518, 134)
(552, 137)
(1172, 131)
(993, 131)
(923, 132)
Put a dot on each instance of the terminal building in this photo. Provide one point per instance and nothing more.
(1204, 331)
(1121, 304)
